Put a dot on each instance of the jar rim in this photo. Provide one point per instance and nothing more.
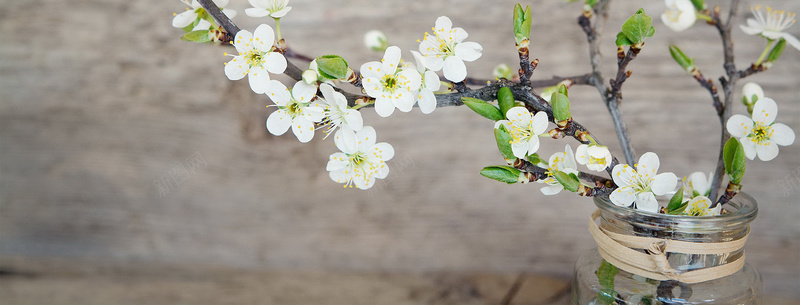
(743, 209)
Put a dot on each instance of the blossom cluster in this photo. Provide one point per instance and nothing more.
(315, 102)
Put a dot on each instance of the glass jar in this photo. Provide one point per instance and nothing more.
(622, 287)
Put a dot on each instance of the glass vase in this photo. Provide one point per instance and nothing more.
(596, 281)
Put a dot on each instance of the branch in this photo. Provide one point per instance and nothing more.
(728, 84)
(221, 19)
(712, 89)
(611, 97)
(603, 186)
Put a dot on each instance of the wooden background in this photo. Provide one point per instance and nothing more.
(100, 103)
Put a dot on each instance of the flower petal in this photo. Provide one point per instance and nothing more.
(767, 150)
(391, 58)
(371, 70)
(623, 174)
(278, 122)
(236, 68)
(383, 151)
(468, 51)
(426, 101)
(264, 38)
(749, 148)
(540, 123)
(782, 134)
(739, 126)
(340, 175)
(353, 118)
(274, 62)
(303, 129)
(259, 80)
(303, 92)
(519, 116)
(184, 19)
(791, 40)
(404, 100)
(432, 82)
(443, 23)
(765, 110)
(646, 201)
(282, 12)
(664, 183)
(242, 41)
(345, 139)
(256, 12)
(372, 86)
(454, 69)
(313, 114)
(533, 145)
(552, 189)
(366, 138)
(337, 161)
(581, 154)
(384, 106)
(622, 196)
(519, 149)
(648, 165)
(229, 12)
(278, 93)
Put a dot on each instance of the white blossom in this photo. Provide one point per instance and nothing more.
(641, 185)
(272, 8)
(595, 157)
(698, 184)
(680, 15)
(700, 206)
(376, 40)
(361, 160)
(751, 93)
(446, 50)
(294, 110)
(430, 83)
(771, 25)
(760, 135)
(524, 129)
(255, 59)
(337, 114)
(391, 84)
(188, 17)
(559, 162)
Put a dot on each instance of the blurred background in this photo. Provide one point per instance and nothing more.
(133, 171)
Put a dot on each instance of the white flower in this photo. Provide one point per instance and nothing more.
(255, 58)
(389, 83)
(699, 206)
(446, 49)
(361, 160)
(751, 93)
(430, 84)
(680, 15)
(376, 40)
(760, 135)
(641, 185)
(772, 25)
(698, 185)
(294, 110)
(524, 129)
(337, 112)
(559, 162)
(186, 18)
(595, 157)
(272, 8)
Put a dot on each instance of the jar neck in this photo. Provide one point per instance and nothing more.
(731, 225)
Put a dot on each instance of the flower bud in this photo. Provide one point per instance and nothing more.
(502, 71)
(376, 40)
(310, 77)
(751, 93)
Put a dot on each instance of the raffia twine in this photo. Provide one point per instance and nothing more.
(620, 250)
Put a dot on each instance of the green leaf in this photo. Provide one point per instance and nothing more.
(503, 140)
(535, 159)
(776, 51)
(734, 159)
(560, 104)
(505, 99)
(699, 4)
(637, 28)
(591, 3)
(483, 108)
(522, 23)
(501, 173)
(332, 66)
(561, 88)
(197, 36)
(679, 210)
(622, 40)
(605, 275)
(570, 182)
(681, 58)
(675, 201)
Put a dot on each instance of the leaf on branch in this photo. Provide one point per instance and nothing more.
(569, 181)
(560, 104)
(503, 140)
(676, 205)
(536, 160)
(681, 58)
(197, 36)
(776, 51)
(734, 159)
(505, 99)
(332, 66)
(502, 173)
(522, 23)
(636, 29)
(483, 108)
